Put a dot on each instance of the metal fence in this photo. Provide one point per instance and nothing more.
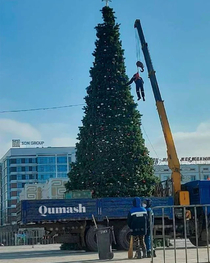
(25, 237)
(188, 232)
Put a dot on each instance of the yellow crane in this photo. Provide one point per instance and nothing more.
(180, 197)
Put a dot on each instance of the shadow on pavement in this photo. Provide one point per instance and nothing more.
(38, 254)
(95, 260)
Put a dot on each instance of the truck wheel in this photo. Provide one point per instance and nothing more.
(90, 238)
(123, 238)
(201, 243)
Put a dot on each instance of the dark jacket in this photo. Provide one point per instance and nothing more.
(137, 218)
(150, 215)
(137, 79)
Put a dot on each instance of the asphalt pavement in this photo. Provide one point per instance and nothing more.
(53, 254)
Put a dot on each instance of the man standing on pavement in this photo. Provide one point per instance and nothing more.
(137, 221)
(147, 204)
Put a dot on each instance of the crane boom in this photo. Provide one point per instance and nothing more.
(173, 161)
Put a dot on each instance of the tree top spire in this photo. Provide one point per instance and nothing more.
(107, 2)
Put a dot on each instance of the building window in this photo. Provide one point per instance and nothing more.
(19, 185)
(13, 169)
(62, 159)
(23, 177)
(51, 159)
(30, 168)
(46, 168)
(19, 177)
(14, 193)
(205, 177)
(62, 168)
(46, 160)
(23, 169)
(205, 169)
(13, 177)
(193, 178)
(13, 202)
(41, 168)
(13, 161)
(22, 160)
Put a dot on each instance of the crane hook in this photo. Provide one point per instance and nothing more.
(140, 65)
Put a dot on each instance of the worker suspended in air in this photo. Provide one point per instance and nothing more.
(138, 81)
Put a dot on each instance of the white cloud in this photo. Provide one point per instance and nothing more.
(192, 144)
(11, 129)
(19, 129)
(54, 134)
(59, 134)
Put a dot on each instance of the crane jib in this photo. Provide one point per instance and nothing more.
(151, 71)
(173, 161)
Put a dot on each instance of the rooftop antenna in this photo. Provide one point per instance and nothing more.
(107, 2)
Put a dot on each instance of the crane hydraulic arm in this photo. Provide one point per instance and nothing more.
(181, 197)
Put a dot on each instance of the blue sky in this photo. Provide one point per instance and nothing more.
(46, 53)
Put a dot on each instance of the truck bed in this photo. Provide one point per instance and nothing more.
(52, 210)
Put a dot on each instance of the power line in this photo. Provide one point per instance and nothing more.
(150, 142)
(39, 109)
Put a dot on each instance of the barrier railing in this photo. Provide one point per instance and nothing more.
(25, 237)
(188, 230)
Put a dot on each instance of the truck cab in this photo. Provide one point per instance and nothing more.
(199, 192)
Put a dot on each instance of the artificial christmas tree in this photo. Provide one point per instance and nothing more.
(111, 157)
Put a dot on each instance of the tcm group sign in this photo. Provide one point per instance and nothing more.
(18, 143)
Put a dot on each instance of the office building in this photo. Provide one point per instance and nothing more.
(191, 169)
(29, 165)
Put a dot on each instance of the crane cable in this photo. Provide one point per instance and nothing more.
(138, 56)
(138, 48)
(150, 141)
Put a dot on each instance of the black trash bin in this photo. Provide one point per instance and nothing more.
(105, 237)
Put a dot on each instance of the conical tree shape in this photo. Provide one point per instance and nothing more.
(111, 157)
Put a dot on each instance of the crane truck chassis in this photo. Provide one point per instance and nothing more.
(70, 220)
